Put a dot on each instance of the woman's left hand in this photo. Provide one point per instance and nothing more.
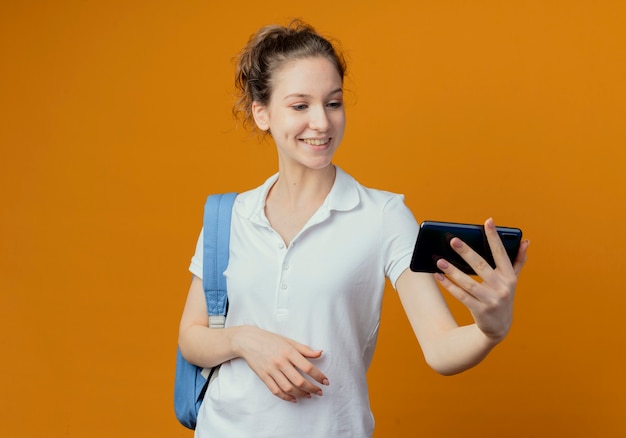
(490, 301)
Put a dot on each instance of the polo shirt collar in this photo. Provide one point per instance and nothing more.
(344, 195)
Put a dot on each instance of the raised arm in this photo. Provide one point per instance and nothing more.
(447, 347)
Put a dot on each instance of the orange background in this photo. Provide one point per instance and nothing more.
(115, 124)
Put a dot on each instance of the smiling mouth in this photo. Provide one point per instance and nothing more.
(316, 142)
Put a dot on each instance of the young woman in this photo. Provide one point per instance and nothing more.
(309, 253)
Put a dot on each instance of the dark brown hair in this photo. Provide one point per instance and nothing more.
(266, 52)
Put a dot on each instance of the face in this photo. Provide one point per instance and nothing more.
(305, 113)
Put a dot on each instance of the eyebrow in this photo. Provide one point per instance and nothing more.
(303, 95)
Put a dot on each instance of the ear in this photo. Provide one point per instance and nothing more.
(261, 118)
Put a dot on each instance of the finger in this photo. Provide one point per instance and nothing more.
(457, 292)
(459, 284)
(496, 246)
(307, 367)
(307, 352)
(297, 384)
(520, 259)
(479, 264)
(291, 382)
(276, 389)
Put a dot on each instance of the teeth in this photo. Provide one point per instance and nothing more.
(314, 142)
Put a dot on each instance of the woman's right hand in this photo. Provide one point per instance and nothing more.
(281, 363)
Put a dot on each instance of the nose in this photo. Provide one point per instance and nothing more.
(319, 119)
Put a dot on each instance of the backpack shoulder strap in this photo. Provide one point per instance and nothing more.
(217, 214)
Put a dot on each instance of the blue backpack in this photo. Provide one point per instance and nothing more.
(192, 381)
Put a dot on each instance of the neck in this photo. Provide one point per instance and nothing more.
(297, 188)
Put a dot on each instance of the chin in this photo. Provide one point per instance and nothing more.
(319, 165)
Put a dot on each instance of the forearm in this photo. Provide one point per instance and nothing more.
(458, 349)
(199, 344)
(208, 347)
(282, 364)
(447, 348)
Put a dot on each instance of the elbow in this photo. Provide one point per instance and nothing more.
(190, 349)
(184, 344)
(446, 372)
(443, 369)
(182, 347)
(445, 365)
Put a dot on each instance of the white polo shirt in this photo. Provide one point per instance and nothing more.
(324, 291)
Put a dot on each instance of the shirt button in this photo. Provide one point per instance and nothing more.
(285, 266)
(283, 286)
(281, 245)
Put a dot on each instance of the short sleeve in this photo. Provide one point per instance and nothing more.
(399, 234)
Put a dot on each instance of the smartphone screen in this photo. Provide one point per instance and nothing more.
(433, 243)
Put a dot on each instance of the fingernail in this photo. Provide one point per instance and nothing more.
(457, 243)
(320, 393)
(325, 382)
(490, 222)
(442, 264)
(439, 277)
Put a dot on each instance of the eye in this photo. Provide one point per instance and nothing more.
(300, 107)
(335, 104)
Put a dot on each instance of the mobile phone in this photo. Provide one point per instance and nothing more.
(433, 243)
